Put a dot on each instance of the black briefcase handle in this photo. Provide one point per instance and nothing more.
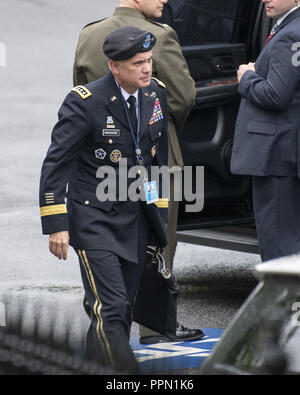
(156, 300)
(159, 260)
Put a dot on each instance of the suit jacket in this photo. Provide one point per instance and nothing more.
(93, 133)
(267, 134)
(169, 66)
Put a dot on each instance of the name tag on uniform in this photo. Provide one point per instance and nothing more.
(111, 132)
(151, 192)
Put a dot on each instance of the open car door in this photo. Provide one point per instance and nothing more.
(216, 37)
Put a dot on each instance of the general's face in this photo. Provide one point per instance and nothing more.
(133, 73)
(152, 9)
(277, 8)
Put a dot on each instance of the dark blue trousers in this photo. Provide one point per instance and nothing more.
(276, 202)
(111, 285)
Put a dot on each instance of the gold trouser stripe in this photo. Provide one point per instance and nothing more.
(53, 210)
(97, 306)
(162, 203)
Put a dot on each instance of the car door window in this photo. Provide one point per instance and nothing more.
(203, 21)
(216, 36)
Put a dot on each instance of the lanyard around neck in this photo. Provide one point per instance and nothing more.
(136, 139)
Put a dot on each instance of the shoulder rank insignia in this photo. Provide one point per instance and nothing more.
(82, 91)
(160, 83)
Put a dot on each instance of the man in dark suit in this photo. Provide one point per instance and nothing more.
(267, 135)
(122, 116)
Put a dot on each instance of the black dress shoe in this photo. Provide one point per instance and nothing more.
(182, 334)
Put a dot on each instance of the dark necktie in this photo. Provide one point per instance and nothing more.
(132, 113)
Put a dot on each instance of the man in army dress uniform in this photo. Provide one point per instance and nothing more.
(121, 116)
(170, 67)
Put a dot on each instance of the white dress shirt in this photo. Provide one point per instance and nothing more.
(126, 96)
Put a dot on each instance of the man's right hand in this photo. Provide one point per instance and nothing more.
(243, 68)
(59, 243)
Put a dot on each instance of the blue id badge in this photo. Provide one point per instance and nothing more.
(151, 192)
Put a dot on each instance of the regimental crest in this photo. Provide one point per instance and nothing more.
(100, 153)
(157, 113)
(116, 156)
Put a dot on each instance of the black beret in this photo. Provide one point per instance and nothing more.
(126, 42)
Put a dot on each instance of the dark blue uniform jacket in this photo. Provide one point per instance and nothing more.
(93, 132)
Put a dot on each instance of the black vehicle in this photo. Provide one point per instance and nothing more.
(216, 37)
(264, 336)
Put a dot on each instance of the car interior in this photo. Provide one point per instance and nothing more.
(216, 37)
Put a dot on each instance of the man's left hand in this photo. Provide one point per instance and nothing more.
(243, 68)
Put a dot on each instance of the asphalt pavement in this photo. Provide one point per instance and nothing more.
(40, 37)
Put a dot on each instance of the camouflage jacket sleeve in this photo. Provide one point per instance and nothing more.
(79, 78)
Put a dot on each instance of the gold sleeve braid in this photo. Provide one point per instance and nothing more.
(53, 210)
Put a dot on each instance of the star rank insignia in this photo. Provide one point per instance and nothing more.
(82, 91)
(100, 153)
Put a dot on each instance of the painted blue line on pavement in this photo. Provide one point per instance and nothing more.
(169, 356)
